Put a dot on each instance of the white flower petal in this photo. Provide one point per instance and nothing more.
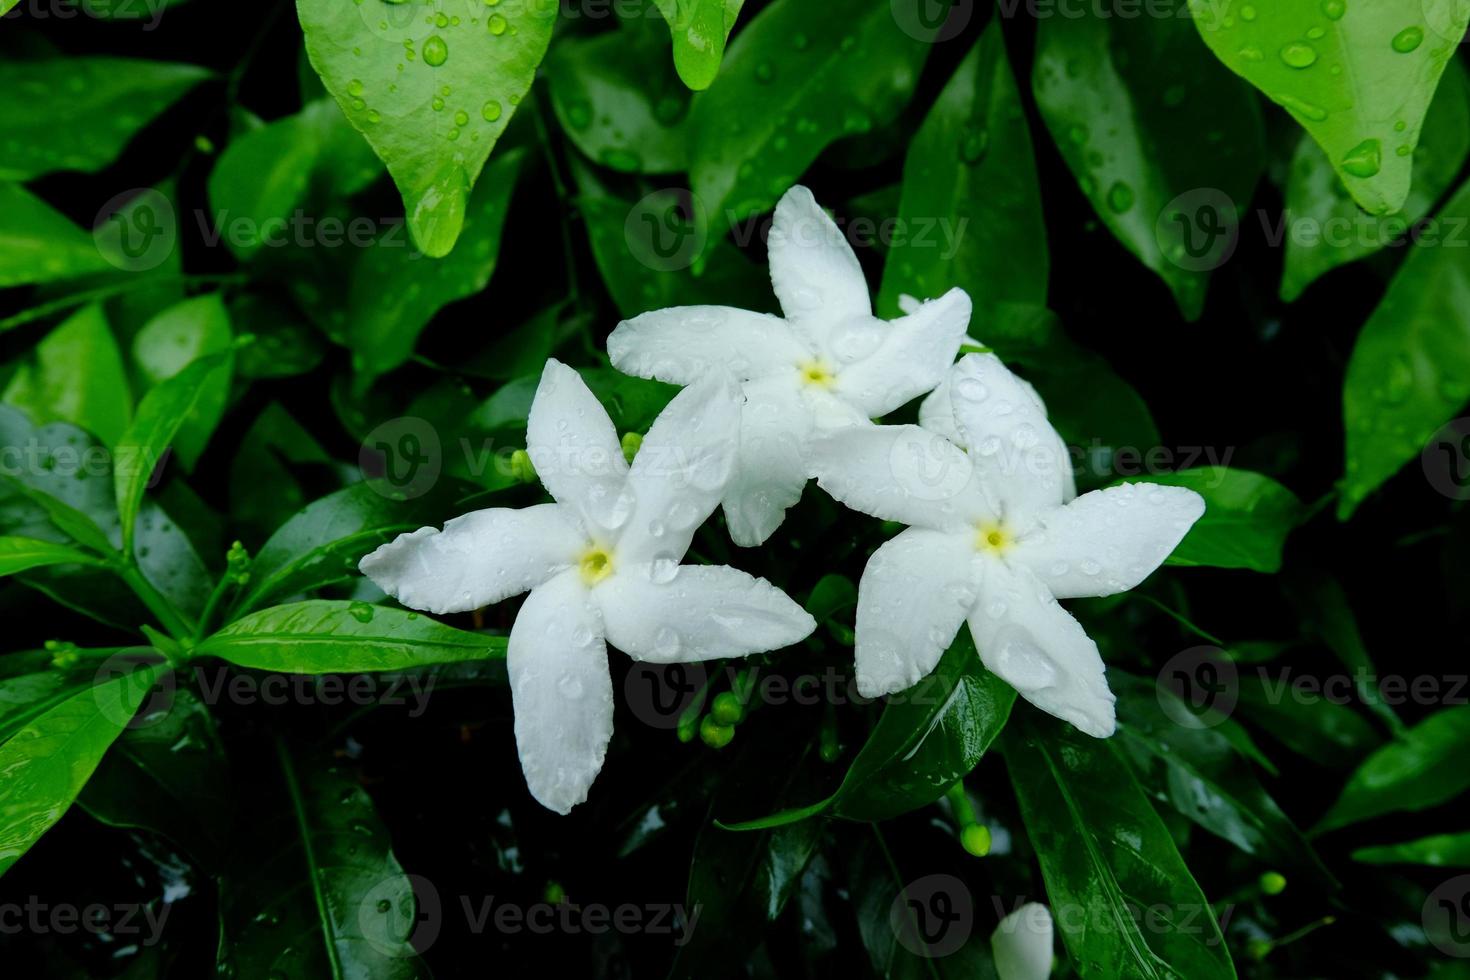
(1022, 462)
(912, 358)
(1034, 645)
(561, 691)
(479, 558)
(936, 412)
(1023, 945)
(684, 343)
(771, 460)
(1108, 541)
(814, 272)
(682, 469)
(913, 596)
(900, 473)
(668, 613)
(575, 449)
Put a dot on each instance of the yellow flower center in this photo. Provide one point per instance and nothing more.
(816, 372)
(992, 537)
(595, 565)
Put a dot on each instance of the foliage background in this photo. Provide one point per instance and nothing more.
(1050, 115)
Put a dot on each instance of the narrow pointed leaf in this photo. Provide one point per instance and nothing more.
(699, 29)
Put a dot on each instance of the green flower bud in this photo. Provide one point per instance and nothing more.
(554, 894)
(714, 734)
(726, 709)
(521, 468)
(632, 442)
(976, 839)
(1258, 949)
(1273, 883)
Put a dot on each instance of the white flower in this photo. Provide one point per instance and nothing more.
(829, 364)
(996, 539)
(602, 563)
(1022, 944)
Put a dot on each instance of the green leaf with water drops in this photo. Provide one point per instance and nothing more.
(970, 213)
(330, 636)
(1105, 854)
(1422, 768)
(1410, 369)
(751, 138)
(1357, 75)
(39, 244)
(75, 375)
(77, 113)
(431, 91)
(313, 888)
(18, 554)
(1246, 522)
(161, 415)
(699, 29)
(1165, 144)
(618, 100)
(1323, 228)
(170, 342)
(47, 762)
(1437, 851)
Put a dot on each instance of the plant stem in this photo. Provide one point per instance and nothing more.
(163, 610)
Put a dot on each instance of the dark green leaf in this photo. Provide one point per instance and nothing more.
(1422, 768)
(179, 336)
(1247, 518)
(75, 374)
(1439, 851)
(40, 245)
(19, 554)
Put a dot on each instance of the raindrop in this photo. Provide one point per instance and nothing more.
(1408, 39)
(1297, 54)
(1364, 160)
(436, 52)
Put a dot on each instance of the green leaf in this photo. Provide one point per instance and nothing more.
(323, 543)
(1407, 375)
(971, 208)
(395, 291)
(618, 100)
(1246, 522)
(39, 244)
(790, 87)
(1317, 203)
(264, 490)
(1105, 853)
(75, 374)
(167, 773)
(77, 113)
(1422, 768)
(1332, 734)
(1360, 82)
(19, 554)
(699, 29)
(431, 94)
(315, 890)
(1155, 134)
(170, 342)
(337, 637)
(161, 414)
(47, 763)
(1438, 851)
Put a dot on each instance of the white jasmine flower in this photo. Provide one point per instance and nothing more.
(829, 364)
(995, 540)
(602, 564)
(1022, 944)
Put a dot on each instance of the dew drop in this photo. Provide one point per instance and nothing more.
(1408, 39)
(497, 24)
(1297, 54)
(1364, 160)
(490, 111)
(436, 52)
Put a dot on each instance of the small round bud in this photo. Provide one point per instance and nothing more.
(714, 734)
(554, 893)
(1258, 949)
(830, 751)
(521, 468)
(1273, 883)
(632, 442)
(976, 839)
(727, 709)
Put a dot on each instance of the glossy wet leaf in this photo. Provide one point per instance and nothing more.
(47, 762)
(1438, 851)
(970, 212)
(19, 554)
(75, 374)
(161, 414)
(285, 344)
(330, 636)
(264, 489)
(39, 244)
(1422, 768)
(1410, 368)
(1333, 734)
(78, 113)
(314, 889)
(698, 29)
(618, 100)
(170, 342)
(1246, 522)
(751, 138)
(1104, 852)
(1324, 227)
(1164, 143)
(1358, 76)
(432, 93)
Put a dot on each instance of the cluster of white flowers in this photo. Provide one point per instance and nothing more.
(984, 482)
